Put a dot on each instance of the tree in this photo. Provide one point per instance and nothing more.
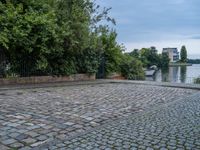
(164, 61)
(194, 61)
(53, 37)
(183, 54)
(131, 68)
(84, 45)
(197, 81)
(135, 53)
(111, 51)
(149, 57)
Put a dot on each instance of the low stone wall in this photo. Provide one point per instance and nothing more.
(115, 76)
(46, 79)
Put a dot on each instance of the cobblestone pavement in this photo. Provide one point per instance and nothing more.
(101, 116)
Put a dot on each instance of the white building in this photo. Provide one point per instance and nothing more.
(172, 53)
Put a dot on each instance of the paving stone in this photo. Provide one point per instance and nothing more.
(3, 133)
(33, 127)
(17, 145)
(14, 134)
(21, 137)
(127, 116)
(32, 134)
(38, 143)
(22, 131)
(25, 148)
(148, 148)
(3, 147)
(69, 123)
(29, 140)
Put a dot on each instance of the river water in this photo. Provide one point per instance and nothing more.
(179, 74)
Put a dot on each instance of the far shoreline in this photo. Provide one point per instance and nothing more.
(179, 64)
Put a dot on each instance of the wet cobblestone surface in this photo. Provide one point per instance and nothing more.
(101, 116)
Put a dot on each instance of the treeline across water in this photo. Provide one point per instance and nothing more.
(194, 61)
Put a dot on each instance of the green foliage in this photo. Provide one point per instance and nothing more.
(132, 69)
(135, 53)
(144, 54)
(112, 51)
(63, 37)
(88, 61)
(197, 80)
(183, 54)
(194, 61)
(149, 57)
(29, 33)
(55, 37)
(164, 61)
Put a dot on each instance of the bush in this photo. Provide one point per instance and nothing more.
(88, 61)
(29, 33)
(132, 69)
(112, 51)
(197, 80)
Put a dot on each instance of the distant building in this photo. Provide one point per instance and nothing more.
(173, 54)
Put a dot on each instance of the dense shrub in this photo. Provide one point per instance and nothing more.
(88, 61)
(197, 80)
(57, 38)
(132, 69)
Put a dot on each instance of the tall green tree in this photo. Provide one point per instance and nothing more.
(164, 61)
(84, 44)
(111, 51)
(183, 54)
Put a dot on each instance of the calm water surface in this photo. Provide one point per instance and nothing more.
(181, 74)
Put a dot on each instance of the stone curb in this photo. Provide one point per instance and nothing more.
(48, 85)
(100, 81)
(163, 84)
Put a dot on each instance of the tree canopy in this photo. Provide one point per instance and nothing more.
(183, 54)
(56, 37)
(150, 57)
(63, 37)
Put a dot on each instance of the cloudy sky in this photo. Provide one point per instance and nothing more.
(160, 23)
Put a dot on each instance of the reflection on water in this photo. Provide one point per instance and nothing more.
(180, 74)
(183, 74)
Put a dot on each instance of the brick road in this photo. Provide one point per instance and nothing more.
(100, 116)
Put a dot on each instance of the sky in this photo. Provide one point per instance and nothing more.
(160, 23)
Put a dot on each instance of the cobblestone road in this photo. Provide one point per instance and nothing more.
(102, 116)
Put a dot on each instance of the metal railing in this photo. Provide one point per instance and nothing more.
(8, 70)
